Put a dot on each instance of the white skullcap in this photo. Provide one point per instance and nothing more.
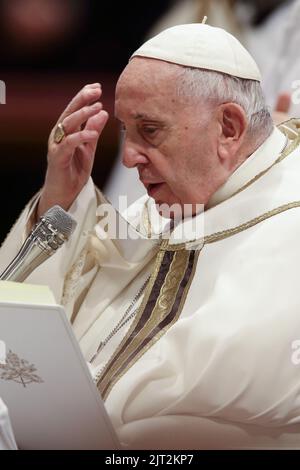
(201, 46)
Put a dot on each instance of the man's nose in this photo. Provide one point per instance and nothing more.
(133, 156)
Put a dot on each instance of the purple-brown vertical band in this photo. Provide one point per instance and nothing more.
(159, 310)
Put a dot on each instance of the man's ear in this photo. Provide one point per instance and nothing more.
(233, 125)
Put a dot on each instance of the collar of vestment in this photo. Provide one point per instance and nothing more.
(259, 161)
(260, 188)
(253, 194)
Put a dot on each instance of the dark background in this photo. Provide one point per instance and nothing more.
(49, 49)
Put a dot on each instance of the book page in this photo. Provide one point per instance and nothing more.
(26, 293)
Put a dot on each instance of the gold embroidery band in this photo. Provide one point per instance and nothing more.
(161, 307)
(217, 236)
(285, 153)
(166, 292)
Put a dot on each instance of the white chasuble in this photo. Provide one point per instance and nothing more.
(191, 339)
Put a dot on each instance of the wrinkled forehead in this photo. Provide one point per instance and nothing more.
(144, 74)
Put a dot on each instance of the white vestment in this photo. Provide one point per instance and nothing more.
(209, 360)
(7, 439)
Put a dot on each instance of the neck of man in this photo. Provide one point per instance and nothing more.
(251, 143)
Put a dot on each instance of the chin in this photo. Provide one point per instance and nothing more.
(169, 209)
(173, 208)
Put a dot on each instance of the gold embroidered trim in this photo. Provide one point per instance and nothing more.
(148, 290)
(169, 290)
(162, 307)
(146, 336)
(240, 228)
(146, 220)
(71, 280)
(292, 125)
(286, 128)
(163, 330)
(215, 237)
(287, 151)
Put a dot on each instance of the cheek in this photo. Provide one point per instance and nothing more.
(171, 158)
(185, 159)
(162, 163)
(200, 158)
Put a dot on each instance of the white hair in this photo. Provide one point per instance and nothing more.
(217, 88)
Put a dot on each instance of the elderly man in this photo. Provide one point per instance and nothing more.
(191, 334)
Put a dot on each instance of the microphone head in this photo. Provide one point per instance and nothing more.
(50, 233)
(59, 219)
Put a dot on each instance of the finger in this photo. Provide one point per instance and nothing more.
(73, 122)
(87, 157)
(96, 124)
(283, 103)
(72, 141)
(86, 96)
(93, 85)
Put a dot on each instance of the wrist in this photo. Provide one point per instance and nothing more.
(49, 200)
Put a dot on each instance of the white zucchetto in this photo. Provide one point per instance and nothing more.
(201, 46)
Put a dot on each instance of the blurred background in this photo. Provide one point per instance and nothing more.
(49, 49)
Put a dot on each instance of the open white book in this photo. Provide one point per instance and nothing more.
(44, 380)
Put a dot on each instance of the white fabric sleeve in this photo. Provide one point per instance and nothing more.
(83, 210)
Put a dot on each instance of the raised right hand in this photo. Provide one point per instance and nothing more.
(70, 162)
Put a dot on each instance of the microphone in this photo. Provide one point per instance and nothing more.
(49, 234)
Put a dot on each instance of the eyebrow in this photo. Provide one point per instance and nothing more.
(143, 116)
(138, 116)
(146, 117)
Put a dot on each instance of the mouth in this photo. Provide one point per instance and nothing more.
(152, 188)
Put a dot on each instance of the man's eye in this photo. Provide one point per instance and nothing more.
(150, 131)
